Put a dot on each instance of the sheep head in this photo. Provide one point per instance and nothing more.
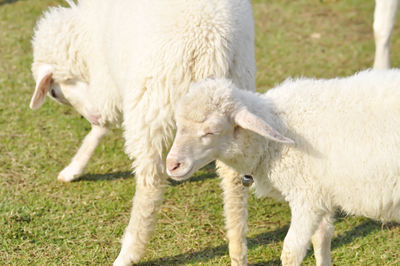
(208, 120)
(72, 91)
(59, 66)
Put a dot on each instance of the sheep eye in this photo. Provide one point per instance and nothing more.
(70, 81)
(208, 134)
(53, 93)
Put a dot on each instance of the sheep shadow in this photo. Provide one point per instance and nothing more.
(128, 174)
(276, 262)
(359, 231)
(199, 178)
(362, 230)
(109, 176)
(3, 2)
(221, 250)
(208, 174)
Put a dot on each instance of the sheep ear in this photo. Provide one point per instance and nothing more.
(43, 82)
(250, 121)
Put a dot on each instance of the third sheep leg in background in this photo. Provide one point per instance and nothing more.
(384, 18)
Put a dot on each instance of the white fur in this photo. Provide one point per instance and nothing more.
(129, 62)
(384, 18)
(81, 158)
(345, 152)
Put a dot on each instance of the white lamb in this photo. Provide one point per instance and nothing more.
(130, 61)
(337, 147)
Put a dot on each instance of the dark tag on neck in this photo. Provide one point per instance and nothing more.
(247, 180)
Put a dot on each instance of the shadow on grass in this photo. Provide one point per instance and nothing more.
(267, 238)
(108, 176)
(129, 174)
(207, 173)
(276, 262)
(197, 178)
(3, 2)
(221, 250)
(360, 231)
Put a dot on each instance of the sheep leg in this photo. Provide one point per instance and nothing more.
(82, 157)
(146, 204)
(303, 225)
(146, 143)
(322, 241)
(235, 210)
(384, 18)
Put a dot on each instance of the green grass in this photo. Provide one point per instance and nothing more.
(44, 222)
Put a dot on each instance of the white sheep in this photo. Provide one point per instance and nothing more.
(129, 62)
(320, 145)
(384, 18)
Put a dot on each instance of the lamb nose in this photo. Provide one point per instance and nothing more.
(172, 166)
(176, 166)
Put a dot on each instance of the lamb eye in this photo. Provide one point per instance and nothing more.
(53, 93)
(208, 134)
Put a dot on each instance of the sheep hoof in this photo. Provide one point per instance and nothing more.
(68, 175)
(239, 261)
(120, 262)
(124, 261)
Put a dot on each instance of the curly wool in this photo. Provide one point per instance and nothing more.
(137, 59)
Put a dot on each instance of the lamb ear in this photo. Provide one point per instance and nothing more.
(250, 121)
(43, 82)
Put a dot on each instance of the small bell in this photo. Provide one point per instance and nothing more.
(247, 180)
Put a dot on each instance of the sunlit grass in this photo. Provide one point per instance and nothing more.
(45, 222)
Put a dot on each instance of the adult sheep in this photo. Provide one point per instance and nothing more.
(130, 61)
(318, 144)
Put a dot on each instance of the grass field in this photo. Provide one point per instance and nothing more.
(45, 222)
